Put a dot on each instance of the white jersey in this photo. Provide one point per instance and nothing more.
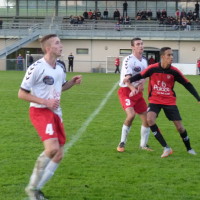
(45, 82)
(132, 66)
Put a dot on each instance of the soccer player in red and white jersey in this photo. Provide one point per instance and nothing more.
(42, 86)
(135, 104)
(162, 77)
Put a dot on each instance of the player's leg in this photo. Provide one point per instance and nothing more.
(44, 122)
(40, 176)
(54, 147)
(141, 109)
(153, 111)
(144, 132)
(126, 127)
(183, 133)
(72, 67)
(51, 147)
(173, 114)
(127, 105)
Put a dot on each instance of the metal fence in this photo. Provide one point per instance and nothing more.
(79, 65)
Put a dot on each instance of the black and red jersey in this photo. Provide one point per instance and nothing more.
(161, 83)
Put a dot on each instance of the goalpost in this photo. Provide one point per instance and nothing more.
(35, 58)
(110, 63)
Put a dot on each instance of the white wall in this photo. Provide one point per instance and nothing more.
(186, 69)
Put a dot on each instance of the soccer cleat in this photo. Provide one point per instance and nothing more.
(191, 151)
(40, 195)
(31, 193)
(167, 151)
(34, 194)
(147, 148)
(121, 147)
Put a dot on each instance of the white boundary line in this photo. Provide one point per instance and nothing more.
(82, 129)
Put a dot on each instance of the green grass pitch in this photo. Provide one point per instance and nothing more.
(91, 168)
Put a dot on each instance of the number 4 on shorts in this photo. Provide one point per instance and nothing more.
(49, 129)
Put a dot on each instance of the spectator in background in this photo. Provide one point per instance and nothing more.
(184, 24)
(116, 14)
(194, 15)
(197, 9)
(105, 14)
(117, 26)
(117, 64)
(127, 20)
(70, 62)
(183, 14)
(98, 13)
(144, 15)
(1, 23)
(198, 65)
(189, 15)
(149, 14)
(30, 59)
(188, 28)
(121, 20)
(177, 14)
(138, 15)
(158, 15)
(90, 14)
(164, 13)
(85, 15)
(20, 62)
(94, 15)
(151, 60)
(125, 8)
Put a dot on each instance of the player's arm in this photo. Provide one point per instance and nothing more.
(27, 96)
(186, 83)
(134, 90)
(74, 81)
(192, 90)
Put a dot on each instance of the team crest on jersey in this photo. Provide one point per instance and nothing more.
(137, 69)
(48, 80)
(168, 76)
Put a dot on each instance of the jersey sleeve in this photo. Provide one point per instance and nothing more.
(127, 66)
(29, 78)
(179, 77)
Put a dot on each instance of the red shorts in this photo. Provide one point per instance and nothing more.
(137, 102)
(47, 124)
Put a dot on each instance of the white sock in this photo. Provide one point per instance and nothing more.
(38, 170)
(48, 173)
(125, 132)
(145, 131)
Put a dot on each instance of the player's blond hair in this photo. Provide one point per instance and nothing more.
(44, 42)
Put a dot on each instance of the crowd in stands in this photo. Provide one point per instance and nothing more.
(181, 20)
(76, 19)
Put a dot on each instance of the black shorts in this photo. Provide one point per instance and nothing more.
(171, 112)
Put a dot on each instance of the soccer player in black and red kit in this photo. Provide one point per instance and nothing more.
(162, 77)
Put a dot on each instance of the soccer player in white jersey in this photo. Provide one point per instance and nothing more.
(133, 102)
(42, 86)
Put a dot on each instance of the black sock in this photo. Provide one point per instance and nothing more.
(158, 135)
(186, 140)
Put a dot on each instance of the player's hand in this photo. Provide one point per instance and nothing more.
(133, 92)
(126, 80)
(140, 87)
(77, 79)
(52, 103)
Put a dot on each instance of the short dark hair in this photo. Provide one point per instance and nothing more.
(162, 50)
(44, 39)
(134, 39)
